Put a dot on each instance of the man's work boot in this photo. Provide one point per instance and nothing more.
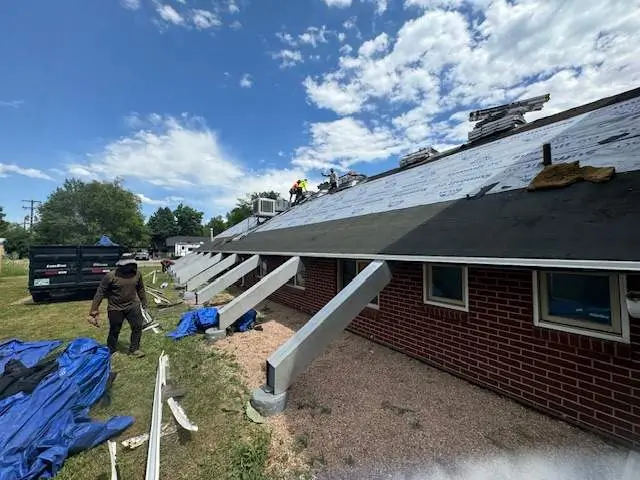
(137, 353)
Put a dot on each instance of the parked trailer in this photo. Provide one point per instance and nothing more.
(68, 269)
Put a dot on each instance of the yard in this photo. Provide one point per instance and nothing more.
(227, 444)
(361, 410)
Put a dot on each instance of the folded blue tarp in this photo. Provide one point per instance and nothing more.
(29, 353)
(207, 317)
(39, 431)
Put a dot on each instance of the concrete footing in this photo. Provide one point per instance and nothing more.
(266, 403)
(212, 335)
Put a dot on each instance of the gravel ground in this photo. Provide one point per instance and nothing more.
(364, 411)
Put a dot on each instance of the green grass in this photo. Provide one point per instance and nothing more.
(227, 445)
(13, 268)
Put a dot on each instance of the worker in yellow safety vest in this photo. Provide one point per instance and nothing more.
(297, 189)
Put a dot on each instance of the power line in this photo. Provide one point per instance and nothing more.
(31, 207)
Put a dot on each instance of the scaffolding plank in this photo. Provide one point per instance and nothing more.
(211, 272)
(258, 292)
(225, 281)
(296, 354)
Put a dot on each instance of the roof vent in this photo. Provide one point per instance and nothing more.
(491, 121)
(264, 207)
(419, 156)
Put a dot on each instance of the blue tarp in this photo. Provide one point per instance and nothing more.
(29, 353)
(207, 317)
(39, 431)
(106, 242)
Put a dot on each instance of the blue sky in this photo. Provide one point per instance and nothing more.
(202, 101)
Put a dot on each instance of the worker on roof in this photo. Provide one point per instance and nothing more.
(297, 189)
(333, 180)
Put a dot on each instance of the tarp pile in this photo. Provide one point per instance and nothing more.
(45, 418)
(200, 319)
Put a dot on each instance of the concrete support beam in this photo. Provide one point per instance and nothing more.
(225, 281)
(211, 272)
(207, 260)
(297, 353)
(261, 290)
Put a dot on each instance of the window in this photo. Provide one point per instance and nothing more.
(446, 286)
(263, 268)
(298, 280)
(584, 303)
(347, 271)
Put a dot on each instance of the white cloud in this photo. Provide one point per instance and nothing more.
(11, 103)
(235, 25)
(381, 6)
(130, 4)
(314, 35)
(338, 3)
(7, 170)
(288, 58)
(233, 7)
(170, 200)
(287, 38)
(184, 157)
(346, 49)
(169, 14)
(245, 81)
(350, 23)
(203, 19)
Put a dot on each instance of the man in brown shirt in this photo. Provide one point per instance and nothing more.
(124, 290)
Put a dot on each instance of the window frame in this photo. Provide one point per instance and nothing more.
(339, 284)
(293, 281)
(620, 330)
(263, 268)
(428, 299)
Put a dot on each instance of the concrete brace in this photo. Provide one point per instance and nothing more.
(211, 272)
(208, 260)
(294, 356)
(258, 292)
(232, 276)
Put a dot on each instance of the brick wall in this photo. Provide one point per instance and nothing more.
(589, 382)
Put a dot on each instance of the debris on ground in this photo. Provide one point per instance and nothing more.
(138, 440)
(253, 414)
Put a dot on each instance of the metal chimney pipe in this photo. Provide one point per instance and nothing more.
(546, 154)
(211, 233)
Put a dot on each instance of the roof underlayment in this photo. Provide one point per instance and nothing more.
(424, 210)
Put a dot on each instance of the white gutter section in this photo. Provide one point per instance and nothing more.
(258, 292)
(211, 272)
(113, 459)
(609, 265)
(153, 453)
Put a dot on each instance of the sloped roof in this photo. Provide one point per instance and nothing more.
(171, 241)
(424, 210)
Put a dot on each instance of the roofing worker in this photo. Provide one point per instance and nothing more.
(124, 290)
(333, 180)
(297, 189)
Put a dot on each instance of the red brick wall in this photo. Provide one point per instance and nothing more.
(589, 382)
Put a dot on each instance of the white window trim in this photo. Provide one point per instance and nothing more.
(426, 282)
(295, 283)
(372, 306)
(260, 273)
(623, 337)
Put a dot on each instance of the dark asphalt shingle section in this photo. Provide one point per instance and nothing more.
(584, 221)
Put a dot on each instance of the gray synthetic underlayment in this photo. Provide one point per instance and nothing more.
(267, 403)
(583, 222)
(608, 136)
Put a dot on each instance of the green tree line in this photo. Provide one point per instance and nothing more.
(79, 212)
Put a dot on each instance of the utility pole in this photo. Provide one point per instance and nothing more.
(31, 207)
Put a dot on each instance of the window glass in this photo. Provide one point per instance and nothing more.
(579, 297)
(447, 282)
(348, 271)
(298, 280)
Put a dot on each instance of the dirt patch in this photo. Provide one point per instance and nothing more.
(23, 301)
(362, 411)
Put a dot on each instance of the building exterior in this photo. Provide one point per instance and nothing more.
(522, 292)
(183, 245)
(2, 240)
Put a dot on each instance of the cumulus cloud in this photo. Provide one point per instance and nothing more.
(163, 202)
(288, 58)
(169, 14)
(415, 86)
(338, 3)
(7, 170)
(182, 156)
(245, 81)
(203, 19)
(130, 4)
(233, 7)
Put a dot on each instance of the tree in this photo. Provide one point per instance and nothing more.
(162, 225)
(80, 212)
(217, 223)
(18, 240)
(243, 209)
(189, 220)
(3, 225)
